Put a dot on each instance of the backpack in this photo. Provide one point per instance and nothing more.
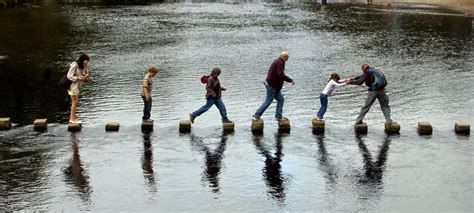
(64, 82)
(377, 79)
(205, 79)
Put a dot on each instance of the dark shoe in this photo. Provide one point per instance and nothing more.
(281, 119)
(191, 117)
(255, 118)
(148, 120)
(359, 122)
(226, 120)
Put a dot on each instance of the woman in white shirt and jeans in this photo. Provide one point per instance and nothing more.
(78, 73)
(334, 82)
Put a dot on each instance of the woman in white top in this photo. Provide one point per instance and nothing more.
(334, 82)
(78, 73)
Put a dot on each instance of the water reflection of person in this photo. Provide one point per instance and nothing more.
(373, 170)
(326, 166)
(272, 169)
(213, 160)
(75, 173)
(147, 163)
(78, 73)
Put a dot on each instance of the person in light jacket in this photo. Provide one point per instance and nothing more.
(78, 73)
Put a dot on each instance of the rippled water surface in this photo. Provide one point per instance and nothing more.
(426, 55)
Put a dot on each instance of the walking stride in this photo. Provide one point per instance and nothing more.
(273, 84)
(213, 96)
(375, 80)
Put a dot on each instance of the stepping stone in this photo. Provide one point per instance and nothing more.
(40, 125)
(257, 126)
(5, 123)
(318, 126)
(112, 126)
(393, 128)
(147, 125)
(284, 125)
(462, 127)
(74, 127)
(361, 128)
(228, 127)
(185, 126)
(424, 128)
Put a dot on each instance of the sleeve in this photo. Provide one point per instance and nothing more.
(281, 73)
(145, 83)
(358, 80)
(72, 71)
(337, 85)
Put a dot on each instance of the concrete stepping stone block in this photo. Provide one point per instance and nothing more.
(361, 128)
(40, 125)
(257, 126)
(228, 127)
(74, 127)
(318, 126)
(424, 128)
(147, 125)
(5, 124)
(462, 127)
(284, 125)
(392, 128)
(185, 126)
(112, 127)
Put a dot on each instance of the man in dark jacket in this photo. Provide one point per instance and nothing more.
(375, 80)
(274, 83)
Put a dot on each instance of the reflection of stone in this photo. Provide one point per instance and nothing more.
(184, 126)
(392, 128)
(360, 128)
(462, 127)
(257, 126)
(5, 124)
(112, 126)
(40, 125)
(318, 126)
(424, 128)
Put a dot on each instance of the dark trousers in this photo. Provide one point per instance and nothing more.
(146, 108)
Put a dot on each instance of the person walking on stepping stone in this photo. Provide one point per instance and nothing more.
(213, 97)
(273, 84)
(376, 81)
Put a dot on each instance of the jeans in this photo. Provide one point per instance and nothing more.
(211, 101)
(324, 105)
(271, 94)
(383, 100)
(146, 108)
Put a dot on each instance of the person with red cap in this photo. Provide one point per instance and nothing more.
(376, 82)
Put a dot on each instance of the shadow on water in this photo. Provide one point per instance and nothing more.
(213, 160)
(147, 163)
(272, 170)
(75, 174)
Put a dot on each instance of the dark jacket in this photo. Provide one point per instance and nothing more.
(276, 74)
(373, 78)
(213, 85)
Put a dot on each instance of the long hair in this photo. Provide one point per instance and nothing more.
(82, 58)
(335, 77)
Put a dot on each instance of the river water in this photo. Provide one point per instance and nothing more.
(427, 55)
